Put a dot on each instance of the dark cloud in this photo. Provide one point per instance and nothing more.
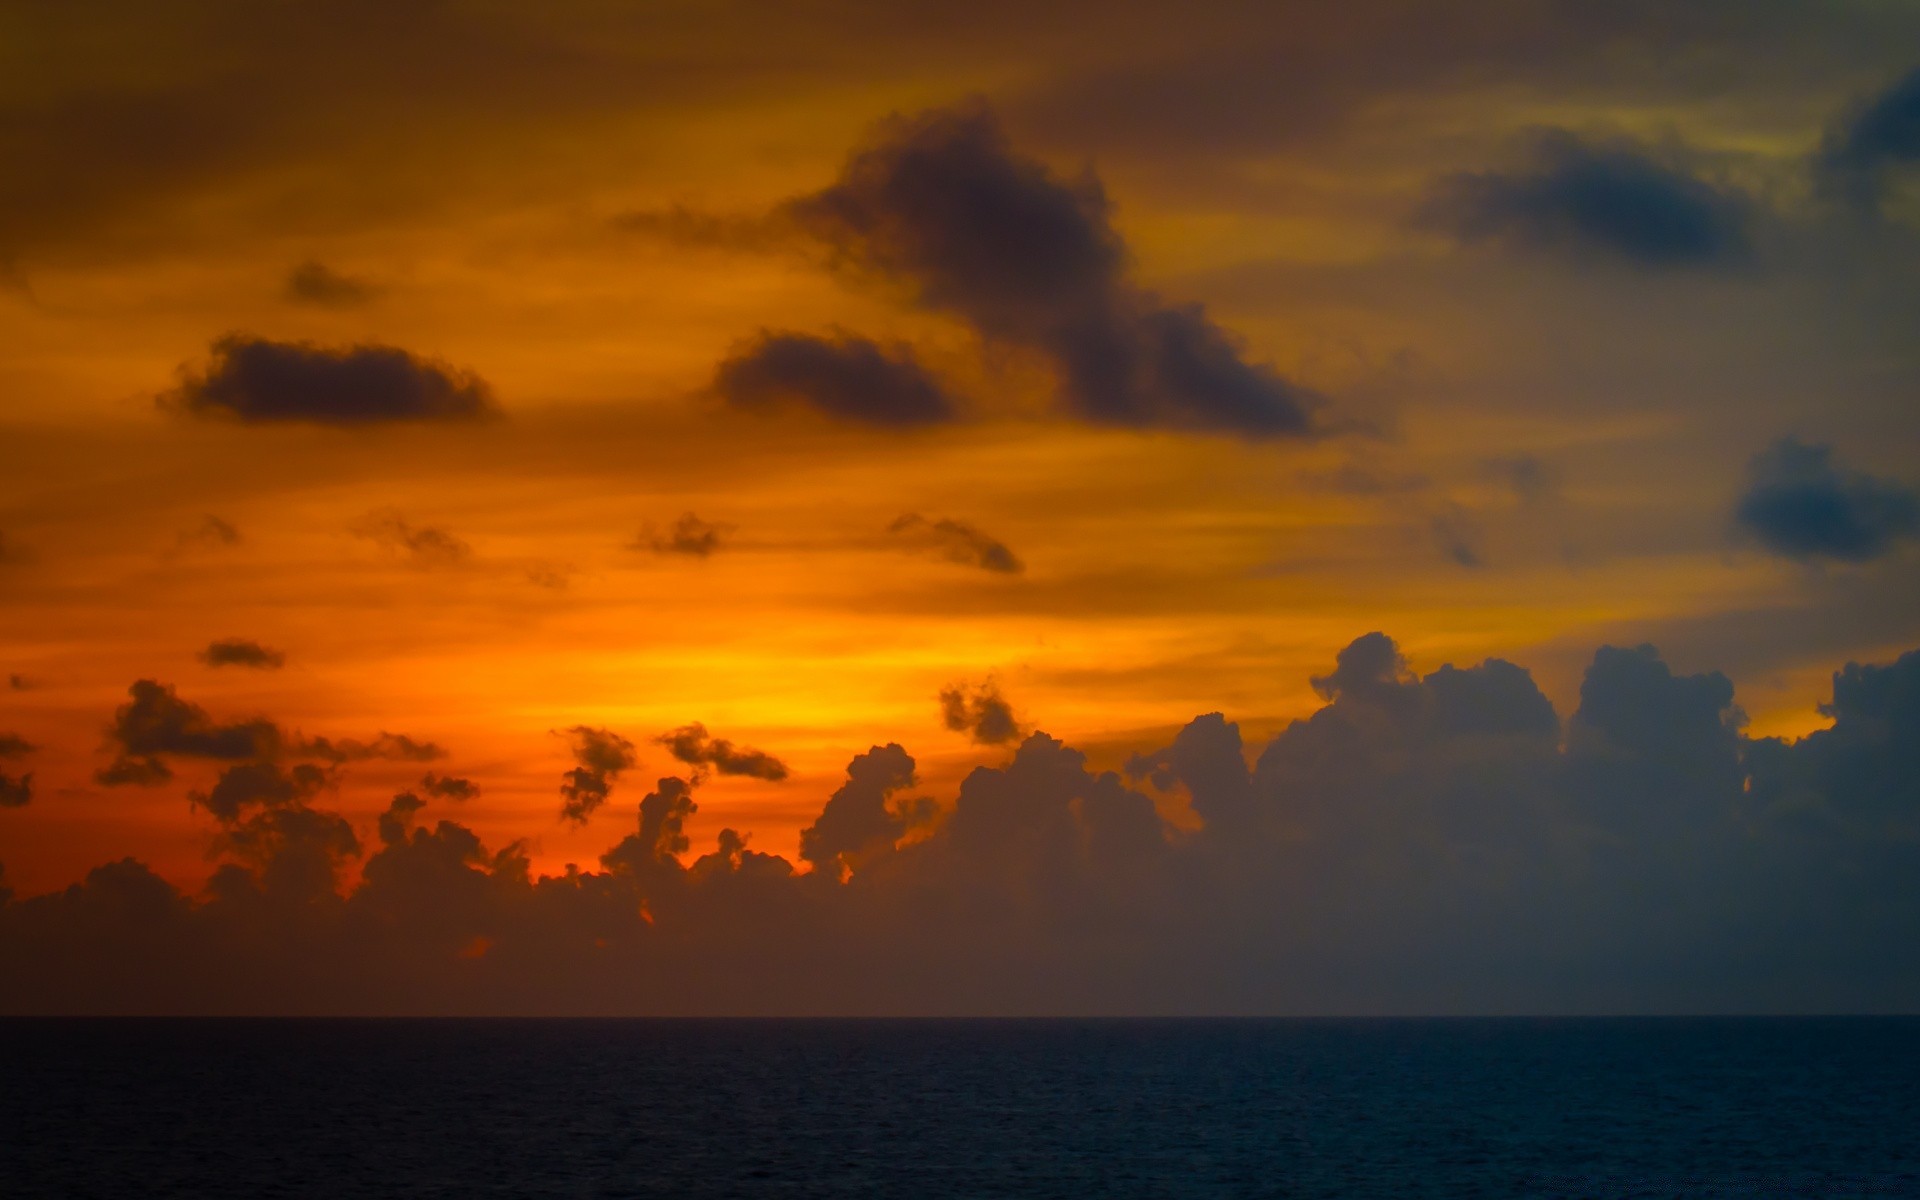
(239, 652)
(12, 745)
(1863, 151)
(393, 747)
(858, 820)
(1613, 198)
(254, 379)
(942, 206)
(1458, 535)
(981, 713)
(19, 683)
(425, 545)
(1801, 503)
(156, 722)
(1420, 843)
(211, 533)
(688, 535)
(955, 542)
(314, 282)
(691, 744)
(448, 787)
(844, 376)
(1530, 480)
(16, 791)
(602, 755)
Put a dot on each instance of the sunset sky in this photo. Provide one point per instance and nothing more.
(493, 392)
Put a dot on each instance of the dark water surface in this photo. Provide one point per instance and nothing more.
(339, 1109)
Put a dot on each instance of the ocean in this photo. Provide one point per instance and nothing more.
(1671, 1107)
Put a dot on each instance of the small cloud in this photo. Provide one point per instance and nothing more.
(847, 377)
(448, 787)
(314, 282)
(12, 745)
(16, 791)
(955, 542)
(1458, 535)
(552, 576)
(1801, 504)
(1610, 197)
(393, 747)
(602, 755)
(1862, 152)
(255, 380)
(239, 652)
(20, 683)
(1528, 479)
(424, 545)
(211, 533)
(692, 745)
(981, 713)
(689, 535)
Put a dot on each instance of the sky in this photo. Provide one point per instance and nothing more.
(844, 507)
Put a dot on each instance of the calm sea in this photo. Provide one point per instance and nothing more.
(928, 1109)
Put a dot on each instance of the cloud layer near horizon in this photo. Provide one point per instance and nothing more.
(1437, 843)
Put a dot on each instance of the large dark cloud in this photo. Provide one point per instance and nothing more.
(257, 380)
(943, 207)
(242, 652)
(1863, 152)
(693, 745)
(955, 541)
(1611, 198)
(602, 755)
(1438, 842)
(1803, 504)
(844, 376)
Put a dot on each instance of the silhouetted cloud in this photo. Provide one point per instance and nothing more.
(602, 755)
(955, 542)
(393, 747)
(981, 713)
(691, 744)
(16, 791)
(1611, 197)
(12, 745)
(424, 545)
(240, 652)
(858, 821)
(448, 787)
(19, 683)
(1881, 136)
(688, 535)
(314, 282)
(254, 379)
(844, 376)
(262, 784)
(941, 204)
(156, 721)
(1801, 503)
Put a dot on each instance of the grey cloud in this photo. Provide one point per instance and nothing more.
(314, 282)
(241, 652)
(256, 380)
(1528, 478)
(980, 712)
(688, 535)
(424, 545)
(1803, 504)
(956, 542)
(858, 822)
(1612, 198)
(211, 533)
(156, 722)
(448, 787)
(693, 745)
(847, 377)
(942, 206)
(1458, 535)
(1880, 137)
(16, 791)
(393, 747)
(602, 755)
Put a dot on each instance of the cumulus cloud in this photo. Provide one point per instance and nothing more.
(1803, 504)
(693, 745)
(688, 535)
(844, 376)
(1862, 153)
(448, 787)
(1613, 198)
(256, 380)
(314, 282)
(956, 542)
(424, 545)
(602, 755)
(941, 206)
(1437, 842)
(240, 652)
(980, 712)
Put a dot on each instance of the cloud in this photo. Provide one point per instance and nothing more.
(1458, 535)
(16, 791)
(261, 784)
(1861, 153)
(156, 722)
(314, 282)
(211, 533)
(688, 535)
(19, 683)
(692, 745)
(955, 542)
(255, 380)
(448, 787)
(425, 545)
(844, 376)
(942, 206)
(699, 228)
(239, 652)
(1607, 197)
(602, 755)
(1526, 477)
(1802, 504)
(858, 821)
(12, 745)
(981, 713)
(393, 747)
